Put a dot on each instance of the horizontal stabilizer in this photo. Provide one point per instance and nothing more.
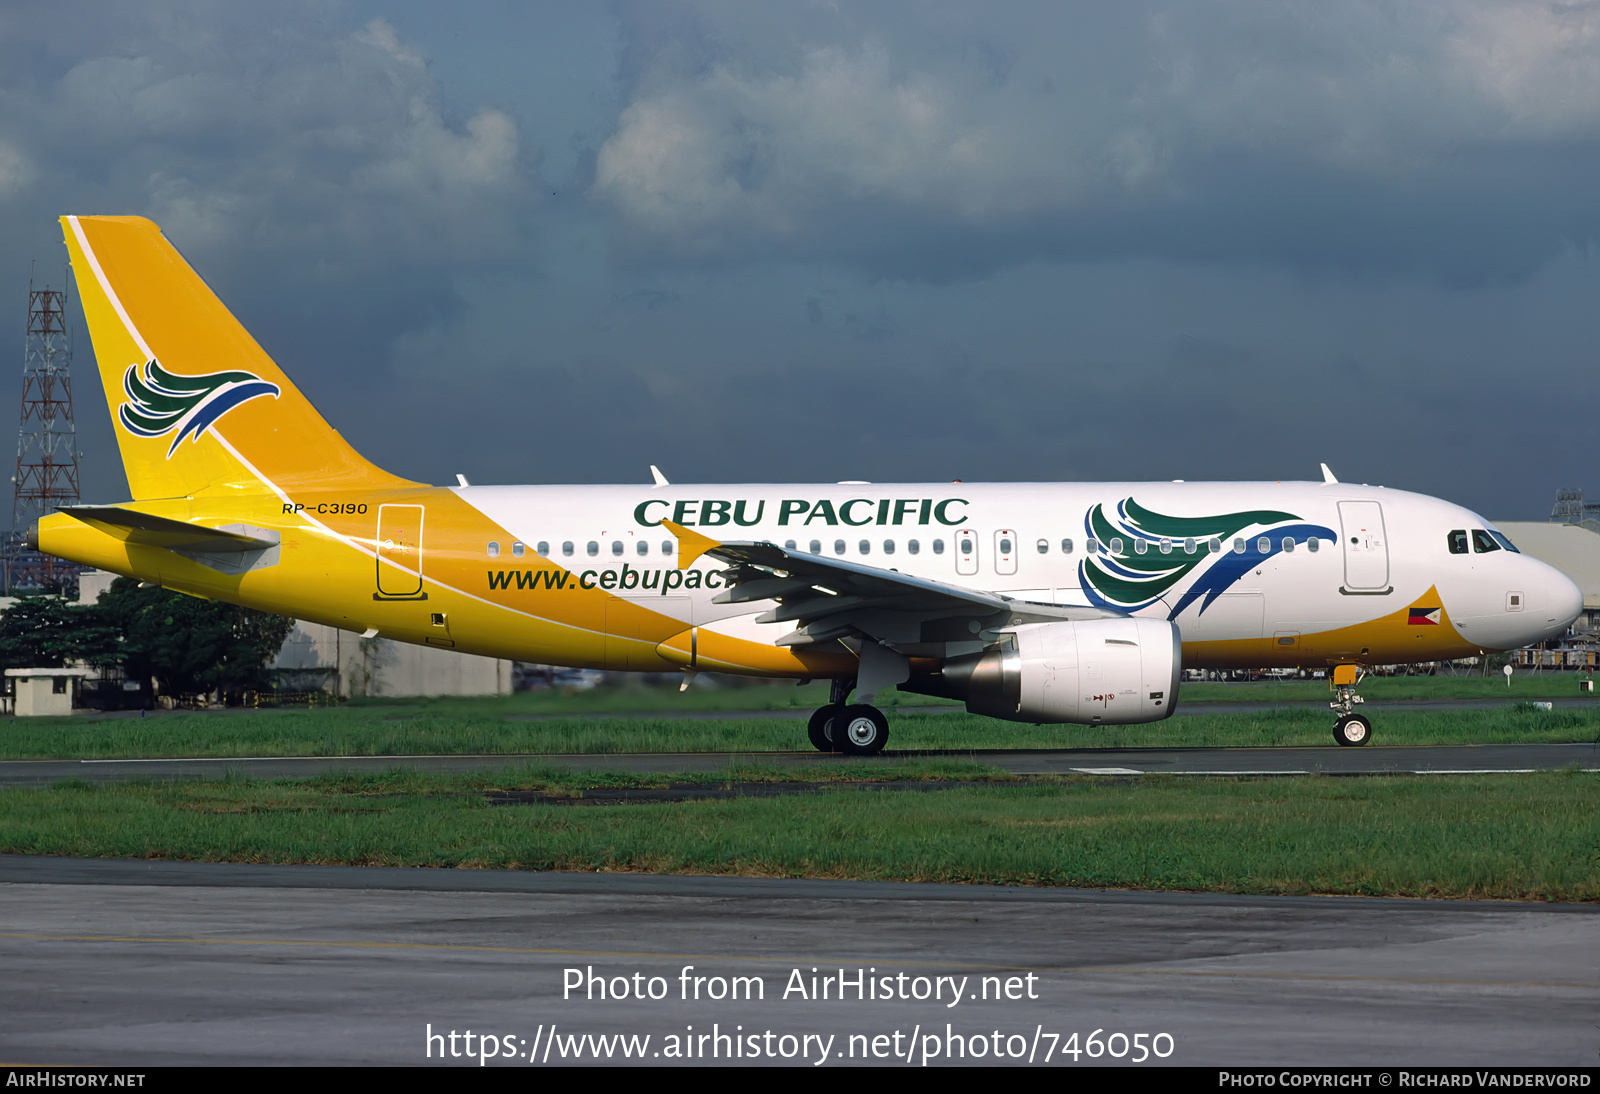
(175, 535)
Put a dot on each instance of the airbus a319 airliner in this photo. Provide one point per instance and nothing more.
(1034, 602)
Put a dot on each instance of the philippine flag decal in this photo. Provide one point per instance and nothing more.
(1423, 617)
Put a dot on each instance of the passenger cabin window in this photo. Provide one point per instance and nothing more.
(494, 550)
(1214, 545)
(888, 546)
(616, 546)
(816, 546)
(1238, 545)
(1166, 545)
(1288, 543)
(1188, 546)
(566, 548)
(938, 546)
(1092, 545)
(788, 545)
(1312, 544)
(1483, 542)
(1044, 546)
(644, 548)
(1458, 541)
(543, 548)
(838, 546)
(1115, 545)
(593, 548)
(1264, 545)
(518, 550)
(1066, 546)
(866, 547)
(1140, 546)
(666, 547)
(1005, 545)
(913, 547)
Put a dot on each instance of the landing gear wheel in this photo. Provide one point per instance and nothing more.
(1352, 729)
(820, 728)
(861, 730)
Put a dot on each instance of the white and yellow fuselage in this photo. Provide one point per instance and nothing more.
(217, 441)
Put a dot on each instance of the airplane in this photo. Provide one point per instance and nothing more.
(1032, 602)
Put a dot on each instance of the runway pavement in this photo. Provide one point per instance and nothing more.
(1330, 760)
(143, 963)
(130, 963)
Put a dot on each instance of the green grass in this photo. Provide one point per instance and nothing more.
(734, 695)
(1491, 836)
(642, 696)
(466, 727)
(1544, 685)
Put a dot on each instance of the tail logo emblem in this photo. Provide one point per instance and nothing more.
(160, 401)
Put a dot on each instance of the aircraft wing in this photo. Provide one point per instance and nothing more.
(830, 598)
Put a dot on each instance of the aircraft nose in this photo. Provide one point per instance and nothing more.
(1563, 599)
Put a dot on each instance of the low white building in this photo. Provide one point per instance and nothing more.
(44, 692)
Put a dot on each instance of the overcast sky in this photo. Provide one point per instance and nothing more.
(558, 242)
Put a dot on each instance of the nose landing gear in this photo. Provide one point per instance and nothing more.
(1352, 729)
(1349, 728)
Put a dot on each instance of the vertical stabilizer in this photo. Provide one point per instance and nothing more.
(195, 402)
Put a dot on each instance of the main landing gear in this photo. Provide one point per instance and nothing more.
(856, 730)
(1349, 728)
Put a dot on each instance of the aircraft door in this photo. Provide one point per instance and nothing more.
(966, 551)
(1366, 550)
(399, 550)
(1005, 551)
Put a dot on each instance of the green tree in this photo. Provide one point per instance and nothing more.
(48, 631)
(192, 646)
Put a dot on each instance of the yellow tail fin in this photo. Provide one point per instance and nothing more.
(195, 402)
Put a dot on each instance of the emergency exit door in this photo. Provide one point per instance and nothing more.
(966, 551)
(1005, 551)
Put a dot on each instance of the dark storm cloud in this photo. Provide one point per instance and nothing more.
(865, 241)
(1454, 141)
(302, 163)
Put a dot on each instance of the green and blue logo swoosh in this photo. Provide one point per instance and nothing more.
(1128, 581)
(160, 402)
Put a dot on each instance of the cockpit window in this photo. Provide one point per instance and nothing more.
(1490, 535)
(1458, 541)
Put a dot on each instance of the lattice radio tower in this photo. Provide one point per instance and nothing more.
(47, 444)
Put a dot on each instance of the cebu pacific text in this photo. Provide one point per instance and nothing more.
(801, 512)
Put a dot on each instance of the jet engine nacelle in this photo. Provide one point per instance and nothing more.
(1093, 672)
